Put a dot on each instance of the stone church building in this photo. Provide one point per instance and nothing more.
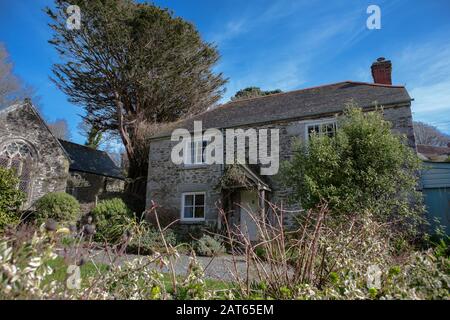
(45, 164)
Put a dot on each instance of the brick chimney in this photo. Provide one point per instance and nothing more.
(381, 71)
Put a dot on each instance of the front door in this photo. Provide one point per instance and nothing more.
(249, 203)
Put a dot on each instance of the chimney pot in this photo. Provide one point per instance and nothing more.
(382, 71)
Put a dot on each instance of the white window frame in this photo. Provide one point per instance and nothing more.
(188, 152)
(311, 123)
(193, 219)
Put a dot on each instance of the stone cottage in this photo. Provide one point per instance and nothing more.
(193, 191)
(45, 164)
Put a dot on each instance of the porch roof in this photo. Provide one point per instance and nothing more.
(252, 176)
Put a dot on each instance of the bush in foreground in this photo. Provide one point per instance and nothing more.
(209, 246)
(112, 219)
(148, 240)
(59, 206)
(324, 260)
(27, 268)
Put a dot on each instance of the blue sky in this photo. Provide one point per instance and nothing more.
(276, 44)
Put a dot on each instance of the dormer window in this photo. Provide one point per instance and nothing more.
(321, 128)
(195, 152)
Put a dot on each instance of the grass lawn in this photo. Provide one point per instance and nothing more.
(89, 269)
(60, 270)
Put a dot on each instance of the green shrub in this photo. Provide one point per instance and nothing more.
(10, 198)
(59, 206)
(209, 246)
(191, 233)
(112, 218)
(147, 240)
(363, 167)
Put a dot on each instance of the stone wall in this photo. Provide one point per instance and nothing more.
(167, 181)
(49, 162)
(87, 187)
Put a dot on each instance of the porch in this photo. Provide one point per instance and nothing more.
(245, 196)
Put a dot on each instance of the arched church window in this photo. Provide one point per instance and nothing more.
(18, 156)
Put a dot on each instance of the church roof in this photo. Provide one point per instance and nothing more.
(89, 160)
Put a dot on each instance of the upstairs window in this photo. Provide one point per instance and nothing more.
(195, 152)
(322, 128)
(193, 206)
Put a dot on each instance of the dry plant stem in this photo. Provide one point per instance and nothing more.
(233, 248)
(277, 270)
(312, 249)
(172, 269)
(269, 234)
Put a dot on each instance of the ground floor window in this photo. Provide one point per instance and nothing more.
(193, 206)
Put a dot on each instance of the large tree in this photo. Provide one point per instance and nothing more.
(429, 135)
(253, 92)
(12, 89)
(93, 134)
(60, 129)
(132, 66)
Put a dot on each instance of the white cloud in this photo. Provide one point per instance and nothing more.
(232, 29)
(288, 66)
(248, 22)
(285, 75)
(424, 67)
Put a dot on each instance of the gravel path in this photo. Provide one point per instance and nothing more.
(219, 268)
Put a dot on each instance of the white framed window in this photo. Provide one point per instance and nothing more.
(326, 127)
(193, 206)
(195, 152)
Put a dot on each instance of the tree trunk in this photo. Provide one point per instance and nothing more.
(136, 185)
(136, 182)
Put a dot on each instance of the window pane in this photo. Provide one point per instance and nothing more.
(331, 129)
(199, 212)
(198, 152)
(4, 162)
(328, 129)
(199, 200)
(204, 144)
(23, 150)
(189, 200)
(191, 153)
(16, 165)
(313, 129)
(12, 148)
(24, 186)
(188, 212)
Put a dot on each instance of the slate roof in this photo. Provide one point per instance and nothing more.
(89, 160)
(304, 103)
